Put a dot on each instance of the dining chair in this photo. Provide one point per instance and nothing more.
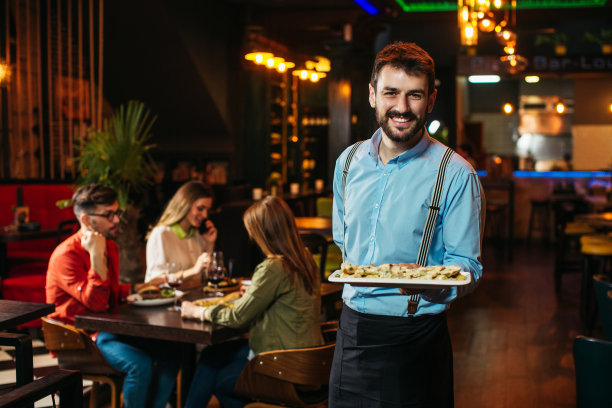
(75, 350)
(68, 384)
(317, 245)
(288, 378)
(602, 285)
(592, 360)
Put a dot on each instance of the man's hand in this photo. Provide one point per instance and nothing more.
(95, 244)
(408, 292)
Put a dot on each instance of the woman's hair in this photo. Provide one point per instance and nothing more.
(180, 204)
(271, 225)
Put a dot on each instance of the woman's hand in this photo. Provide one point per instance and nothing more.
(203, 262)
(190, 311)
(244, 288)
(210, 235)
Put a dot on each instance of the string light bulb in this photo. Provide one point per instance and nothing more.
(560, 108)
(508, 108)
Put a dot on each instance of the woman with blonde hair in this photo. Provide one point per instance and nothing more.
(176, 249)
(281, 306)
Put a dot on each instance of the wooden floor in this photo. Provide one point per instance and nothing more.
(513, 338)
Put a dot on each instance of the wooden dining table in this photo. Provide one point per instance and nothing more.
(599, 221)
(162, 322)
(321, 225)
(12, 314)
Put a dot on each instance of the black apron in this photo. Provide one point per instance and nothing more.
(389, 361)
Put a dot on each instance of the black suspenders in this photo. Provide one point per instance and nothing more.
(432, 214)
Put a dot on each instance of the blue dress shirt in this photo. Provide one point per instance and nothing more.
(386, 209)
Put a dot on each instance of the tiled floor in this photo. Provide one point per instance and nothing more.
(513, 337)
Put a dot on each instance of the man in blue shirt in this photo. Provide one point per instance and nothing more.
(387, 353)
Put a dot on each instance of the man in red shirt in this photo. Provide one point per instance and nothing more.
(83, 276)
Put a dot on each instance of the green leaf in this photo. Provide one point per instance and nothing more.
(118, 155)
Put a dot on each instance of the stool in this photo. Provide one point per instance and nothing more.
(495, 225)
(597, 253)
(539, 218)
(568, 258)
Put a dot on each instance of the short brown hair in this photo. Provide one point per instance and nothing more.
(88, 197)
(407, 56)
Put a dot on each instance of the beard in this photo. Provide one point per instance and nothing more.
(109, 233)
(404, 135)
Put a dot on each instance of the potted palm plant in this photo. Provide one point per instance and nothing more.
(118, 155)
(604, 40)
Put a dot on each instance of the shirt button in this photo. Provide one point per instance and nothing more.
(372, 239)
(376, 206)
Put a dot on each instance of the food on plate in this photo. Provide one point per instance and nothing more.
(147, 292)
(227, 300)
(399, 271)
(226, 283)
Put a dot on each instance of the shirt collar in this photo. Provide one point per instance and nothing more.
(180, 232)
(404, 157)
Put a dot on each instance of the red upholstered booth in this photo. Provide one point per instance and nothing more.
(28, 260)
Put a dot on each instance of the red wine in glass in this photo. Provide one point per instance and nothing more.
(175, 283)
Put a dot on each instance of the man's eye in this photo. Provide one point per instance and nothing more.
(416, 97)
(201, 208)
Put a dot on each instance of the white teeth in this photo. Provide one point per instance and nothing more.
(400, 119)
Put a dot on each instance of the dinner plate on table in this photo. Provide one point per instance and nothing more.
(414, 283)
(137, 300)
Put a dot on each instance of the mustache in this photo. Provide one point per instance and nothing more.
(405, 115)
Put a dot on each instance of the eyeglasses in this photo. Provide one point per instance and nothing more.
(109, 215)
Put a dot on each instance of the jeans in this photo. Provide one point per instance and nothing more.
(216, 373)
(150, 367)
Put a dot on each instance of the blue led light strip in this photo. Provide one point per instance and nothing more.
(553, 174)
(367, 6)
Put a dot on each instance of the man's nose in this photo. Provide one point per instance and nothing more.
(402, 105)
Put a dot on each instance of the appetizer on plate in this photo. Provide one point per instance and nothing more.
(398, 271)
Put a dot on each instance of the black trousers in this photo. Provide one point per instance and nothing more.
(388, 361)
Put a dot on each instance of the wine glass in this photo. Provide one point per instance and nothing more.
(172, 281)
(216, 271)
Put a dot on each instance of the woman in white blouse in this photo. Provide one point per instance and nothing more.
(175, 248)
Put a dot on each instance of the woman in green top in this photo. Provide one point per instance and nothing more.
(281, 306)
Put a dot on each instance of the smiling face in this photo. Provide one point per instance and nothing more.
(197, 213)
(402, 102)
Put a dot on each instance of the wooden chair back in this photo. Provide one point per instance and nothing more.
(295, 378)
(75, 350)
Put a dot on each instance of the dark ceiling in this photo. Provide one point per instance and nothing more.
(308, 25)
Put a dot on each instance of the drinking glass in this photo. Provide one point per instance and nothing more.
(172, 281)
(216, 271)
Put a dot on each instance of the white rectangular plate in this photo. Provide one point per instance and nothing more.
(401, 283)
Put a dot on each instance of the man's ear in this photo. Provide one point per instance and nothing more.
(372, 97)
(431, 100)
(84, 221)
